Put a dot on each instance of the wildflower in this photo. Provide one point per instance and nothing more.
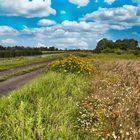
(127, 133)
(105, 135)
(114, 135)
(115, 115)
(72, 64)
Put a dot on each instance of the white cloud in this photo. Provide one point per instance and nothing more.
(40, 45)
(76, 25)
(8, 41)
(7, 30)
(136, 34)
(78, 34)
(68, 34)
(63, 12)
(110, 1)
(26, 8)
(136, 1)
(46, 22)
(116, 18)
(80, 3)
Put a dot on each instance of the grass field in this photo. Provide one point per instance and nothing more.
(20, 61)
(42, 110)
(104, 105)
(109, 56)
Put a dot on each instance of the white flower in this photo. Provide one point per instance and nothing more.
(127, 133)
(114, 136)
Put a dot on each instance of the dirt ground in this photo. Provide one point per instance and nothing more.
(18, 81)
(13, 70)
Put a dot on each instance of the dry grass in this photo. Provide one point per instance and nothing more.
(112, 110)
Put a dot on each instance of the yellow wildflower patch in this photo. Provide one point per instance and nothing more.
(73, 64)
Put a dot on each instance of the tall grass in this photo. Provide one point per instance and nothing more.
(109, 56)
(112, 110)
(43, 109)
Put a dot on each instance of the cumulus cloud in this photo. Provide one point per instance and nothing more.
(8, 41)
(26, 8)
(119, 18)
(68, 34)
(80, 3)
(7, 30)
(46, 22)
(40, 45)
(76, 25)
(63, 12)
(136, 1)
(136, 34)
(80, 34)
(110, 1)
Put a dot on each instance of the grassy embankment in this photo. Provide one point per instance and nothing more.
(69, 106)
(43, 109)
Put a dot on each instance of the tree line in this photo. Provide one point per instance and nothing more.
(23, 51)
(118, 46)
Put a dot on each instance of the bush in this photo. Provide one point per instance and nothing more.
(107, 50)
(136, 52)
(118, 51)
(72, 64)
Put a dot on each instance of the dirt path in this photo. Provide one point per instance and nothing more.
(18, 81)
(13, 70)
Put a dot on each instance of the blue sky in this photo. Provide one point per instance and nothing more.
(73, 24)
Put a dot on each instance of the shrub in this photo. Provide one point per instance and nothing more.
(136, 52)
(118, 51)
(72, 64)
(107, 50)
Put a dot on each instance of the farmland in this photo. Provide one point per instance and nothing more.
(85, 96)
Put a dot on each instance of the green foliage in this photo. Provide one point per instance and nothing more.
(103, 44)
(43, 110)
(107, 50)
(15, 53)
(135, 52)
(126, 44)
(118, 51)
(108, 46)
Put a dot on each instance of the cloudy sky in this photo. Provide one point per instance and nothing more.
(67, 23)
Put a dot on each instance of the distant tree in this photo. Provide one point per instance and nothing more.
(126, 44)
(103, 44)
(52, 48)
(2, 48)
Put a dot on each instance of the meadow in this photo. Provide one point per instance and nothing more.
(84, 96)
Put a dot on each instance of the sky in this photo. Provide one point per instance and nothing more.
(71, 24)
